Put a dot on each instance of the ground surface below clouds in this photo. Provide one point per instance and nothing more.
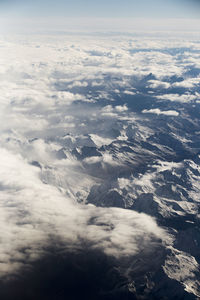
(100, 165)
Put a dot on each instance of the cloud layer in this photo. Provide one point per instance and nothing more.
(80, 142)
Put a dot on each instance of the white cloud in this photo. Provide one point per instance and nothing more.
(157, 111)
(41, 116)
(31, 211)
(121, 108)
(187, 83)
(156, 84)
(179, 98)
(129, 93)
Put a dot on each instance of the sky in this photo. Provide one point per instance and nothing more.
(103, 8)
(99, 15)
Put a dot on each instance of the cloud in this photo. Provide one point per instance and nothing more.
(187, 83)
(184, 98)
(113, 112)
(32, 211)
(43, 121)
(157, 111)
(129, 93)
(156, 84)
(121, 108)
(71, 120)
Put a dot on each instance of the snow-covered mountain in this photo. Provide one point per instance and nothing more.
(100, 168)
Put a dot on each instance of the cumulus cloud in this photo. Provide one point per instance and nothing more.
(62, 103)
(156, 84)
(121, 108)
(184, 98)
(187, 83)
(157, 111)
(32, 211)
(42, 123)
(129, 93)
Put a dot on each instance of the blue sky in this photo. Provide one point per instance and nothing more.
(86, 14)
(103, 8)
